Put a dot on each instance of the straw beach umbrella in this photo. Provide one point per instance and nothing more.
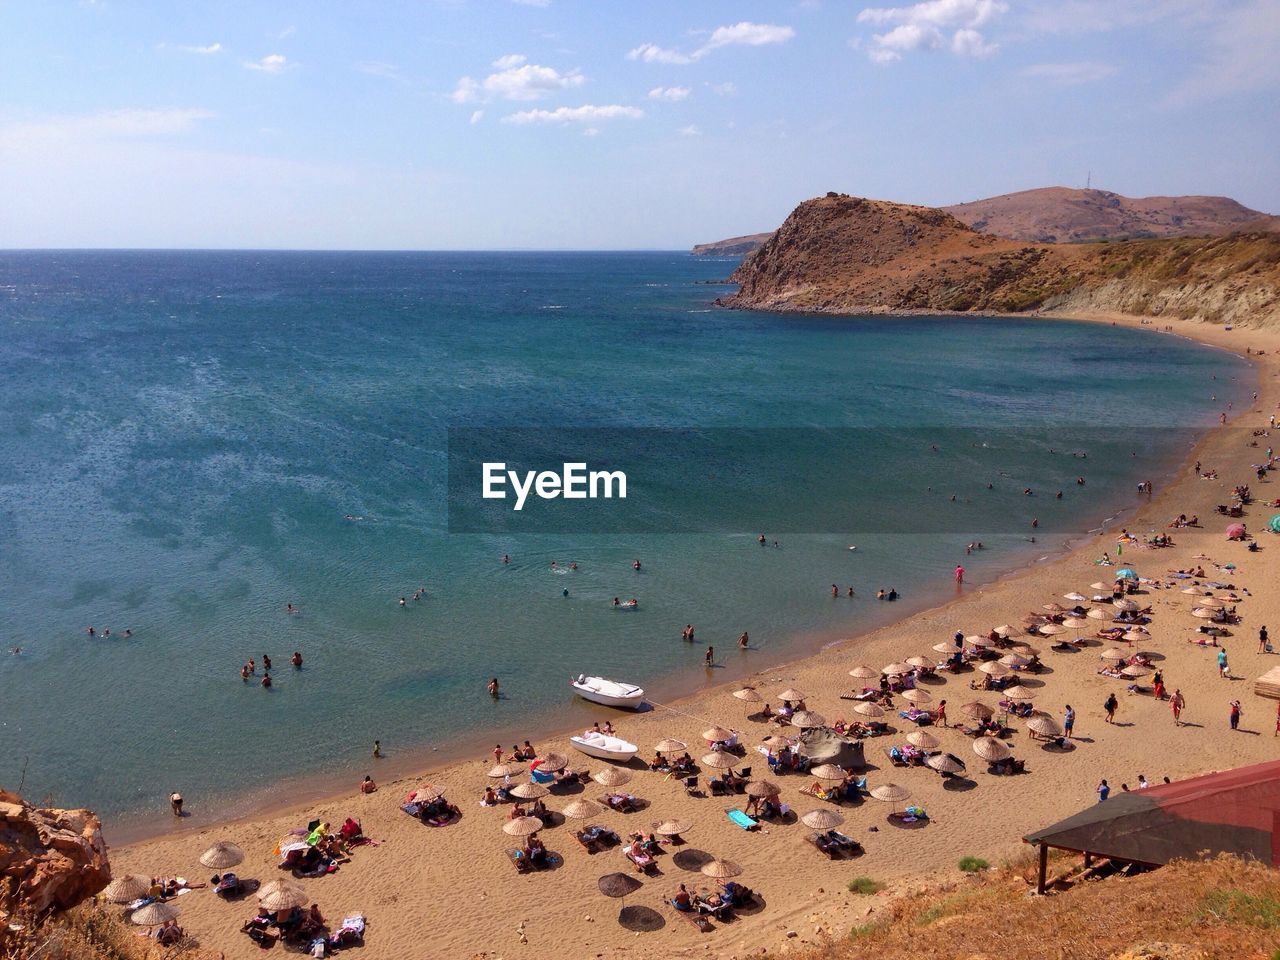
(1096, 613)
(923, 663)
(791, 695)
(991, 749)
(890, 793)
(994, 668)
(945, 763)
(1076, 623)
(222, 855)
(1044, 725)
(828, 771)
(822, 819)
(1113, 653)
(1050, 630)
(1075, 597)
(532, 791)
(977, 711)
(1136, 635)
(522, 826)
(719, 760)
(775, 742)
(672, 828)
(618, 886)
(1135, 670)
(863, 672)
(980, 642)
(1213, 603)
(282, 898)
(947, 648)
(748, 695)
(1019, 692)
(1125, 605)
(868, 709)
(504, 770)
(127, 888)
(552, 762)
(896, 669)
(1013, 661)
(425, 794)
(1204, 613)
(612, 777)
(808, 719)
(582, 809)
(923, 739)
(917, 696)
(670, 745)
(154, 914)
(717, 734)
(1007, 630)
(1054, 608)
(763, 788)
(721, 869)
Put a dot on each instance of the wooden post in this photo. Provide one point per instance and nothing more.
(1088, 860)
(1044, 869)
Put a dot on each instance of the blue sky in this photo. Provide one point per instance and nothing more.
(583, 124)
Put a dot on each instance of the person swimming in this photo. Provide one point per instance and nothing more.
(635, 565)
(493, 688)
(296, 660)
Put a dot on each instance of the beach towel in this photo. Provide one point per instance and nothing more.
(742, 820)
(537, 776)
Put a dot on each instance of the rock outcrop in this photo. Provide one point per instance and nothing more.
(733, 247)
(842, 254)
(50, 860)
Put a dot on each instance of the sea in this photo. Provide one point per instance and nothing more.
(192, 441)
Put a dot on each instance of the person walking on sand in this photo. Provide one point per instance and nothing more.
(1223, 668)
(940, 715)
(1110, 706)
(1236, 710)
(1177, 704)
(497, 753)
(1068, 721)
(709, 658)
(1264, 641)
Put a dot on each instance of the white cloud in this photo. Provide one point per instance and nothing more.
(744, 33)
(591, 132)
(287, 32)
(271, 63)
(1240, 56)
(726, 89)
(533, 3)
(78, 132)
(1070, 74)
(588, 113)
(652, 53)
(932, 25)
(672, 94)
(476, 117)
(516, 79)
(376, 68)
(211, 48)
(690, 131)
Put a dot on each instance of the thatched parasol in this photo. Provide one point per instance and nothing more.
(672, 828)
(552, 762)
(717, 734)
(1125, 605)
(791, 695)
(944, 763)
(719, 760)
(612, 777)
(154, 914)
(1135, 670)
(1053, 607)
(670, 745)
(763, 788)
(1076, 623)
(994, 668)
(282, 897)
(775, 742)
(582, 809)
(923, 739)
(923, 663)
(748, 695)
(1019, 692)
(222, 855)
(1044, 725)
(1096, 613)
(127, 888)
(1013, 660)
(991, 749)
(720, 869)
(1113, 653)
(1007, 630)
(868, 709)
(618, 885)
(947, 648)
(890, 793)
(522, 826)
(504, 770)
(822, 819)
(828, 771)
(977, 711)
(1204, 613)
(863, 672)
(1213, 602)
(896, 669)
(917, 696)
(1050, 630)
(426, 793)
(530, 791)
(808, 719)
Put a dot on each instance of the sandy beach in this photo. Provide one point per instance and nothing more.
(451, 891)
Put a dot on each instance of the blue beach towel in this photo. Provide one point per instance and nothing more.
(741, 819)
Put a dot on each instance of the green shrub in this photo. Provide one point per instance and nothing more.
(865, 885)
(973, 864)
(1238, 907)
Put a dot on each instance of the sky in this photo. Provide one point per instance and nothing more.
(586, 124)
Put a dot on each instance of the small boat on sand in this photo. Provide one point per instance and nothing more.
(605, 747)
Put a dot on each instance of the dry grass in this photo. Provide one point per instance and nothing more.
(1225, 909)
(89, 932)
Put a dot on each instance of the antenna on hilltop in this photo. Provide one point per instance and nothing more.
(1088, 181)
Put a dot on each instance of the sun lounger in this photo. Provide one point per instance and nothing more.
(643, 863)
(824, 845)
(848, 844)
(623, 804)
(594, 839)
(524, 865)
(741, 819)
(698, 920)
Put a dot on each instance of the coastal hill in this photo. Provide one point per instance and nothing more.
(843, 254)
(1064, 215)
(733, 247)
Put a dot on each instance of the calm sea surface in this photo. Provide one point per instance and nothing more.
(185, 437)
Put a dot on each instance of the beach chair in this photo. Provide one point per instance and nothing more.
(741, 819)
(691, 787)
(717, 788)
(824, 845)
(698, 920)
(845, 843)
(643, 864)
(624, 804)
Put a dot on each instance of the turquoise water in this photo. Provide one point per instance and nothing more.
(184, 435)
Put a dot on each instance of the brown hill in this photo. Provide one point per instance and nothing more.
(1063, 215)
(732, 247)
(842, 254)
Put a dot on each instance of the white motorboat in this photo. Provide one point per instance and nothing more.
(611, 693)
(605, 747)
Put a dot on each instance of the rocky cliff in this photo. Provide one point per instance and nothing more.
(843, 254)
(50, 860)
(733, 247)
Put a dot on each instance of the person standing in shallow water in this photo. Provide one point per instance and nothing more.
(493, 688)
(710, 656)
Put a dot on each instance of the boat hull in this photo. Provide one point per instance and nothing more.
(611, 749)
